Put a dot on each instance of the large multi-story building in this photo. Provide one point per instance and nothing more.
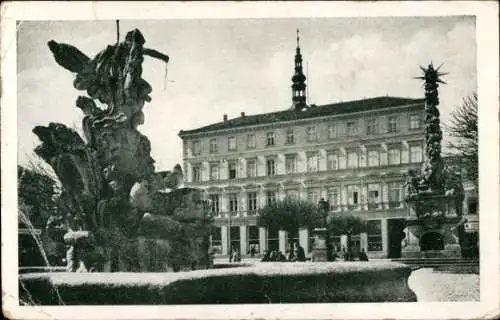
(353, 154)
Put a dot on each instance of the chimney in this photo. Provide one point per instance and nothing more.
(243, 114)
(224, 118)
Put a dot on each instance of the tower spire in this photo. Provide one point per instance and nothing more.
(298, 81)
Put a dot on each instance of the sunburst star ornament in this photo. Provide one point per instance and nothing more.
(431, 75)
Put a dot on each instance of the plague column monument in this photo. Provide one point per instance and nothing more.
(435, 195)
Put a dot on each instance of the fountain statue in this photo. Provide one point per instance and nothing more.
(107, 177)
(435, 196)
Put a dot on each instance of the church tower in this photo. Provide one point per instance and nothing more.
(298, 81)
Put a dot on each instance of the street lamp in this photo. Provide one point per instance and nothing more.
(349, 253)
(324, 207)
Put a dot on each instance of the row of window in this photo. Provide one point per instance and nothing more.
(312, 163)
(354, 198)
(334, 131)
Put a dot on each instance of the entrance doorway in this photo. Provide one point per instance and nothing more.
(431, 241)
(395, 229)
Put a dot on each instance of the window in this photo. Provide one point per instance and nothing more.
(373, 196)
(271, 167)
(332, 161)
(253, 240)
(235, 236)
(214, 204)
(270, 139)
(196, 147)
(394, 156)
(251, 168)
(312, 134)
(332, 132)
(414, 121)
(233, 203)
(251, 141)
(231, 170)
(292, 194)
(353, 197)
(392, 124)
(313, 196)
(290, 164)
(374, 235)
(252, 202)
(371, 126)
(196, 174)
(472, 206)
(394, 195)
(290, 136)
(270, 197)
(214, 171)
(352, 160)
(415, 154)
(373, 158)
(352, 128)
(213, 145)
(341, 130)
(333, 198)
(231, 143)
(216, 240)
(312, 162)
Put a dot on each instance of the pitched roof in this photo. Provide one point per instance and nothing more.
(312, 112)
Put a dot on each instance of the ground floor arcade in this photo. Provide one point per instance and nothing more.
(383, 241)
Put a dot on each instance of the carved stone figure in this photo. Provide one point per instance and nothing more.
(98, 174)
(411, 183)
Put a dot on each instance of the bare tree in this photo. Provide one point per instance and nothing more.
(463, 131)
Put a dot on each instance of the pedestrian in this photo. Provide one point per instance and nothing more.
(362, 255)
(231, 255)
(266, 257)
(274, 256)
(344, 254)
(252, 251)
(300, 254)
(334, 255)
(281, 257)
(237, 256)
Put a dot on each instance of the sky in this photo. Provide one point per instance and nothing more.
(229, 66)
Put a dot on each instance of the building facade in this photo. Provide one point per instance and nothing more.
(352, 154)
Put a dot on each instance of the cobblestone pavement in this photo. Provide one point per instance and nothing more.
(440, 286)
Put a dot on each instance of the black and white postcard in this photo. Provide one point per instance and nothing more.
(295, 160)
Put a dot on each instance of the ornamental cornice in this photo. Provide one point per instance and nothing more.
(251, 186)
(233, 189)
(271, 185)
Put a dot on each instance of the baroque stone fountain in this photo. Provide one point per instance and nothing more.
(435, 195)
(109, 187)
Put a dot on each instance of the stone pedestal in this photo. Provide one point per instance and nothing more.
(431, 229)
(445, 238)
(319, 251)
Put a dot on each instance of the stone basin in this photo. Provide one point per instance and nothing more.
(270, 282)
